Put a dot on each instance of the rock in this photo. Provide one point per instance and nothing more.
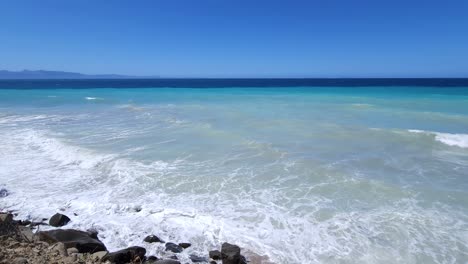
(4, 192)
(151, 258)
(72, 251)
(6, 218)
(24, 222)
(173, 247)
(230, 254)
(167, 261)
(20, 261)
(60, 248)
(73, 238)
(98, 256)
(26, 233)
(58, 220)
(152, 239)
(213, 262)
(195, 258)
(174, 257)
(131, 254)
(215, 254)
(93, 233)
(185, 245)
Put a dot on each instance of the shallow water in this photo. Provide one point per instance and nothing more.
(303, 175)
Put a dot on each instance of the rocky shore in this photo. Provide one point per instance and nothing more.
(22, 242)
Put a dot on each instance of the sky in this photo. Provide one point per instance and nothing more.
(238, 38)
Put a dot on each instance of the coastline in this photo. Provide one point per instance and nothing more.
(23, 241)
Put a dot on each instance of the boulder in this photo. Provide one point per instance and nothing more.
(230, 254)
(167, 261)
(3, 192)
(152, 239)
(59, 220)
(195, 258)
(80, 240)
(185, 245)
(173, 247)
(152, 258)
(215, 254)
(131, 254)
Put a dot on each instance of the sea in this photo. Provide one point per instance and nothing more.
(296, 170)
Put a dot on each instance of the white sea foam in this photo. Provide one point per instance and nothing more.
(458, 140)
(124, 200)
(93, 98)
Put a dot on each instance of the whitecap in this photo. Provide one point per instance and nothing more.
(93, 98)
(457, 140)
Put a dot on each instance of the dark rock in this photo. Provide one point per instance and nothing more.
(151, 258)
(173, 247)
(73, 238)
(59, 220)
(185, 245)
(152, 239)
(131, 254)
(4, 192)
(230, 254)
(93, 233)
(24, 222)
(215, 254)
(213, 262)
(174, 257)
(167, 261)
(195, 258)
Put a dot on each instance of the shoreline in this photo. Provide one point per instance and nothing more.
(23, 241)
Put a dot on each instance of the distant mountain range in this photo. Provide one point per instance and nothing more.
(41, 74)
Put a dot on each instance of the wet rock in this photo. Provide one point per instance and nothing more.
(213, 262)
(215, 254)
(131, 254)
(152, 258)
(174, 257)
(185, 245)
(230, 254)
(152, 239)
(195, 258)
(167, 261)
(73, 238)
(23, 222)
(58, 220)
(173, 247)
(93, 233)
(3, 192)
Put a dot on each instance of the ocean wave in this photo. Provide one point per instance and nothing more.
(457, 140)
(126, 199)
(93, 98)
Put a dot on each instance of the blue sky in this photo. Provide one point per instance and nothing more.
(238, 38)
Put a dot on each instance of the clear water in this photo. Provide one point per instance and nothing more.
(303, 175)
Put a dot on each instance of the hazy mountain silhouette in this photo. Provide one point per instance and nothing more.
(42, 74)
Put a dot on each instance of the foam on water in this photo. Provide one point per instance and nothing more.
(458, 140)
(291, 177)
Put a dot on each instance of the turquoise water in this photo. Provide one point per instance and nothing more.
(302, 175)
